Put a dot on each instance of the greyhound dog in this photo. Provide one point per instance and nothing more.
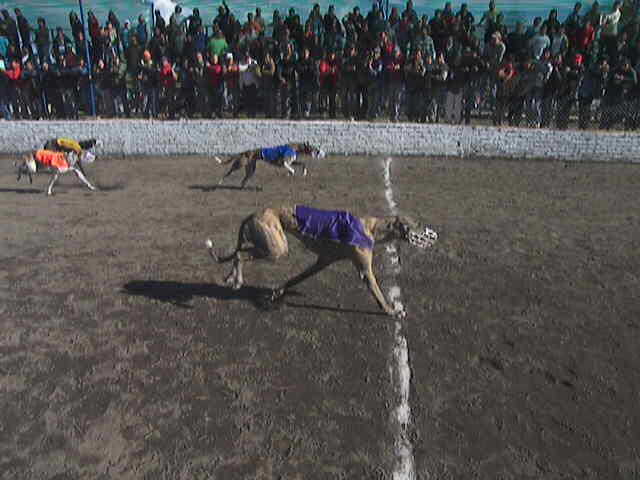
(331, 235)
(57, 163)
(284, 156)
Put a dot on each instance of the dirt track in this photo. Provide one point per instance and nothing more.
(123, 356)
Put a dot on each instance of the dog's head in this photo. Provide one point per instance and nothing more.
(87, 157)
(407, 229)
(314, 151)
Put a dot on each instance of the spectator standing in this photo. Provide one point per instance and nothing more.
(594, 14)
(10, 28)
(506, 85)
(329, 75)
(232, 84)
(269, 85)
(585, 37)
(470, 70)
(415, 85)
(24, 29)
(308, 80)
(287, 80)
(149, 76)
(552, 86)
(218, 44)
(539, 43)
(159, 22)
(62, 45)
(5, 113)
(573, 23)
(516, 42)
(489, 19)
(215, 76)
(4, 46)
(573, 72)
(591, 88)
(350, 97)
(393, 79)
(142, 32)
(126, 34)
(559, 42)
(168, 84)
(249, 81)
(609, 24)
(619, 90)
(31, 91)
(552, 23)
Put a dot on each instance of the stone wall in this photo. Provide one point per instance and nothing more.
(206, 137)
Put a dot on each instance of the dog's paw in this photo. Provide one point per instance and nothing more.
(218, 159)
(277, 294)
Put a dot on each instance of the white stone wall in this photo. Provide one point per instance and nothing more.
(207, 137)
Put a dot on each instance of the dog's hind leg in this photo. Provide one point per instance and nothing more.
(321, 264)
(54, 179)
(249, 171)
(234, 166)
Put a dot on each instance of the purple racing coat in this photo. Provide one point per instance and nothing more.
(338, 226)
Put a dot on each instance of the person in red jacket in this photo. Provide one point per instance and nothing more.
(14, 75)
(585, 36)
(168, 79)
(329, 76)
(215, 82)
(393, 72)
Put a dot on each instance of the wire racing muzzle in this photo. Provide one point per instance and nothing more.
(423, 239)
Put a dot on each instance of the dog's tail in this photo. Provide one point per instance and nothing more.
(225, 258)
(224, 162)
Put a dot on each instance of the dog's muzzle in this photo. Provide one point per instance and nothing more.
(423, 239)
(87, 157)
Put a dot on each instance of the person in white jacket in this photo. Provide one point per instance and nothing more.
(249, 82)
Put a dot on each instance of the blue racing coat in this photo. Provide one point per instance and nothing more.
(277, 154)
(338, 226)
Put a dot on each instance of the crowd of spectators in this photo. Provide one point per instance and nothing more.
(367, 65)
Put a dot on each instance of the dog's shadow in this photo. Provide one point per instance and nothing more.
(180, 294)
(21, 191)
(213, 188)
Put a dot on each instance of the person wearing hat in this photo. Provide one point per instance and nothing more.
(126, 34)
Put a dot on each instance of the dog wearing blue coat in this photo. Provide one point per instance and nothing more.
(283, 156)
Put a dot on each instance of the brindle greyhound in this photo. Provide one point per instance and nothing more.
(262, 236)
(284, 156)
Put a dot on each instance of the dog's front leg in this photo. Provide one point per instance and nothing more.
(83, 179)
(54, 179)
(366, 272)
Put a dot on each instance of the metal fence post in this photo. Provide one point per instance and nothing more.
(92, 93)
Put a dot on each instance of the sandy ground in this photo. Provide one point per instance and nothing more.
(123, 355)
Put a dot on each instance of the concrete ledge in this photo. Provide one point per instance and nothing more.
(208, 137)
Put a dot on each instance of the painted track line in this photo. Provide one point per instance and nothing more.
(404, 467)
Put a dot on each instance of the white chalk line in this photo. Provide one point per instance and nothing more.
(404, 468)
